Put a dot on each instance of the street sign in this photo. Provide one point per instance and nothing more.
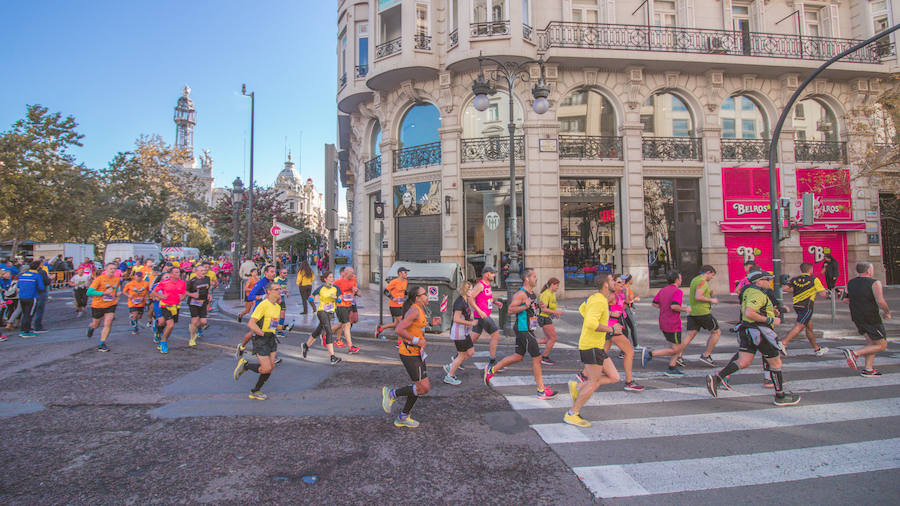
(285, 231)
(275, 230)
(232, 247)
(432, 293)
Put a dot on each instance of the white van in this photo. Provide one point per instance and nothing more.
(124, 250)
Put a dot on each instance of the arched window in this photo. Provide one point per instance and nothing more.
(420, 126)
(586, 112)
(814, 121)
(741, 117)
(492, 121)
(375, 143)
(666, 115)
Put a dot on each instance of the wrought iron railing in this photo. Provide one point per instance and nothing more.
(417, 156)
(489, 29)
(423, 42)
(820, 151)
(388, 48)
(745, 149)
(699, 40)
(373, 168)
(590, 147)
(527, 32)
(362, 70)
(672, 148)
(343, 80)
(454, 37)
(491, 148)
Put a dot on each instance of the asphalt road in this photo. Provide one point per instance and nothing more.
(135, 426)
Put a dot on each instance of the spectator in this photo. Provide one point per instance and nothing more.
(832, 273)
(30, 283)
(244, 271)
(59, 264)
(40, 303)
(70, 266)
(8, 266)
(11, 298)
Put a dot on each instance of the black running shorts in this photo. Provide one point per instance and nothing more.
(464, 345)
(875, 332)
(485, 326)
(98, 312)
(706, 321)
(594, 356)
(264, 345)
(527, 343)
(415, 367)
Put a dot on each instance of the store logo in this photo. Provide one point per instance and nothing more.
(818, 253)
(492, 220)
(833, 209)
(743, 209)
(748, 252)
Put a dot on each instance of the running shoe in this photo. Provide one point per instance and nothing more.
(488, 374)
(822, 351)
(239, 351)
(573, 390)
(679, 362)
(621, 355)
(340, 343)
(580, 377)
(240, 368)
(102, 347)
(164, 347)
(149, 324)
(156, 341)
(3, 338)
(632, 386)
(547, 361)
(869, 373)
(134, 330)
(406, 422)
(707, 360)
(278, 360)
(90, 332)
(452, 380)
(335, 360)
(852, 358)
(673, 372)
(192, 342)
(646, 356)
(788, 399)
(240, 319)
(27, 335)
(712, 384)
(378, 330)
(387, 400)
(447, 369)
(768, 383)
(726, 383)
(353, 349)
(257, 395)
(576, 420)
(547, 393)
(305, 349)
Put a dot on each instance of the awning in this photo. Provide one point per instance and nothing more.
(839, 226)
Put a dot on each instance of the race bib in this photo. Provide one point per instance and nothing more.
(137, 301)
(108, 298)
(348, 297)
(197, 302)
(532, 323)
(400, 300)
(329, 307)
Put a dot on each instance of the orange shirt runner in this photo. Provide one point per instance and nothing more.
(348, 289)
(137, 293)
(416, 330)
(397, 287)
(101, 284)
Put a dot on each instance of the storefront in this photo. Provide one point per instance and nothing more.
(590, 231)
(747, 227)
(487, 223)
(672, 219)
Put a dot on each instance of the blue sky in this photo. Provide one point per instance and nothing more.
(118, 67)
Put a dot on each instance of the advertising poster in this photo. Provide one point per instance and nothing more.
(752, 246)
(816, 245)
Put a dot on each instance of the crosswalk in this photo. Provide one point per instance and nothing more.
(675, 439)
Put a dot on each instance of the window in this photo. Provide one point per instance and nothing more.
(389, 23)
(342, 70)
(422, 19)
(664, 13)
(811, 16)
(589, 229)
(748, 129)
(493, 112)
(454, 15)
(664, 114)
(487, 221)
(492, 121)
(740, 18)
(744, 122)
(728, 104)
(572, 125)
(526, 12)
(587, 112)
(728, 129)
(681, 128)
(362, 53)
(375, 146)
(798, 112)
(678, 105)
(747, 104)
(585, 11)
(818, 122)
(420, 126)
(482, 14)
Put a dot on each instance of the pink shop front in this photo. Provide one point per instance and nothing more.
(747, 227)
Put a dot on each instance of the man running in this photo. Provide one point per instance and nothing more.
(865, 296)
(669, 302)
(346, 306)
(701, 299)
(282, 282)
(756, 333)
(597, 364)
(262, 324)
(256, 295)
(482, 303)
(804, 287)
(170, 292)
(525, 307)
(394, 291)
(198, 292)
(137, 291)
(105, 291)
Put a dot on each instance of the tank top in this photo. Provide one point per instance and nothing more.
(527, 320)
(617, 305)
(863, 307)
(415, 330)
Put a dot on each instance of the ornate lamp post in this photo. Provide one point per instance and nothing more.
(252, 96)
(506, 73)
(237, 196)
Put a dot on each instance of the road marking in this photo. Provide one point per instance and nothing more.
(631, 480)
(609, 399)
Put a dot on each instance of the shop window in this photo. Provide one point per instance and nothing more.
(487, 224)
(589, 217)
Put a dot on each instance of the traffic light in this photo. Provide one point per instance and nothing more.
(784, 219)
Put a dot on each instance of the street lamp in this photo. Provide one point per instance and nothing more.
(237, 196)
(252, 96)
(507, 73)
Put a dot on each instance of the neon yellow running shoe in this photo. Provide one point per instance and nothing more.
(406, 422)
(257, 395)
(240, 368)
(576, 420)
(193, 341)
(386, 400)
(573, 390)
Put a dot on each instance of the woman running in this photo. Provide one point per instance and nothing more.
(304, 284)
(616, 317)
(545, 319)
(328, 295)
(630, 298)
(248, 304)
(459, 332)
(412, 355)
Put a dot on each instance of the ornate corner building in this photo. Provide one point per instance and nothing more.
(301, 198)
(654, 153)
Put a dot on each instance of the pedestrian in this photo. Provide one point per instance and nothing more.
(669, 301)
(483, 303)
(345, 307)
(545, 319)
(328, 295)
(395, 291)
(700, 299)
(304, 284)
(804, 288)
(246, 268)
(630, 300)
(598, 367)
(30, 283)
(40, 303)
(262, 325)
(79, 283)
(865, 294)
(460, 332)
(137, 291)
(170, 292)
(105, 292)
(832, 273)
(412, 355)
(756, 332)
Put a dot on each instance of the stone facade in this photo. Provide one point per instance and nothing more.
(301, 198)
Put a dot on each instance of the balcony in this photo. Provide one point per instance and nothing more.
(820, 151)
(388, 48)
(491, 29)
(342, 81)
(373, 168)
(560, 34)
(454, 38)
(745, 149)
(422, 41)
(590, 147)
(527, 32)
(487, 149)
(422, 155)
(672, 148)
(361, 71)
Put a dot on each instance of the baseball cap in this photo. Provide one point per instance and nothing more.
(403, 269)
(755, 276)
(488, 268)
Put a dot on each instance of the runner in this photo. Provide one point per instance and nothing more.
(616, 302)
(700, 298)
(105, 291)
(199, 292)
(328, 294)
(804, 287)
(630, 322)
(545, 319)
(865, 296)
(597, 364)
(459, 333)
(483, 302)
(525, 307)
(254, 297)
(412, 355)
(346, 307)
(756, 333)
(136, 291)
(394, 291)
(225, 272)
(262, 326)
(170, 292)
(248, 287)
(669, 302)
(282, 282)
(79, 283)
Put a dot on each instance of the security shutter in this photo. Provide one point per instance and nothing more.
(419, 238)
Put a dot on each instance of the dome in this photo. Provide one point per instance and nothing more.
(184, 101)
(288, 175)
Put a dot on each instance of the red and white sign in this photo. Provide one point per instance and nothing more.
(444, 303)
(752, 247)
(816, 245)
(275, 230)
(745, 193)
(831, 187)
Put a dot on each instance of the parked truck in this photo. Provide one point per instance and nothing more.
(124, 250)
(77, 251)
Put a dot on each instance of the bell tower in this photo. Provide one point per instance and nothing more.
(185, 119)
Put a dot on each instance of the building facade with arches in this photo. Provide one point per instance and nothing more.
(652, 156)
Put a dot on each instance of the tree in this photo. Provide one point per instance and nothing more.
(875, 157)
(266, 206)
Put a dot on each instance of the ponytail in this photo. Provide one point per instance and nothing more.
(411, 292)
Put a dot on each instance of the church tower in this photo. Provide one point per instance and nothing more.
(185, 120)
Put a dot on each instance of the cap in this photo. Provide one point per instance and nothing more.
(626, 277)
(402, 269)
(755, 276)
(488, 268)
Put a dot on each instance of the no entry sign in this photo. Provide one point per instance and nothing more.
(275, 230)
